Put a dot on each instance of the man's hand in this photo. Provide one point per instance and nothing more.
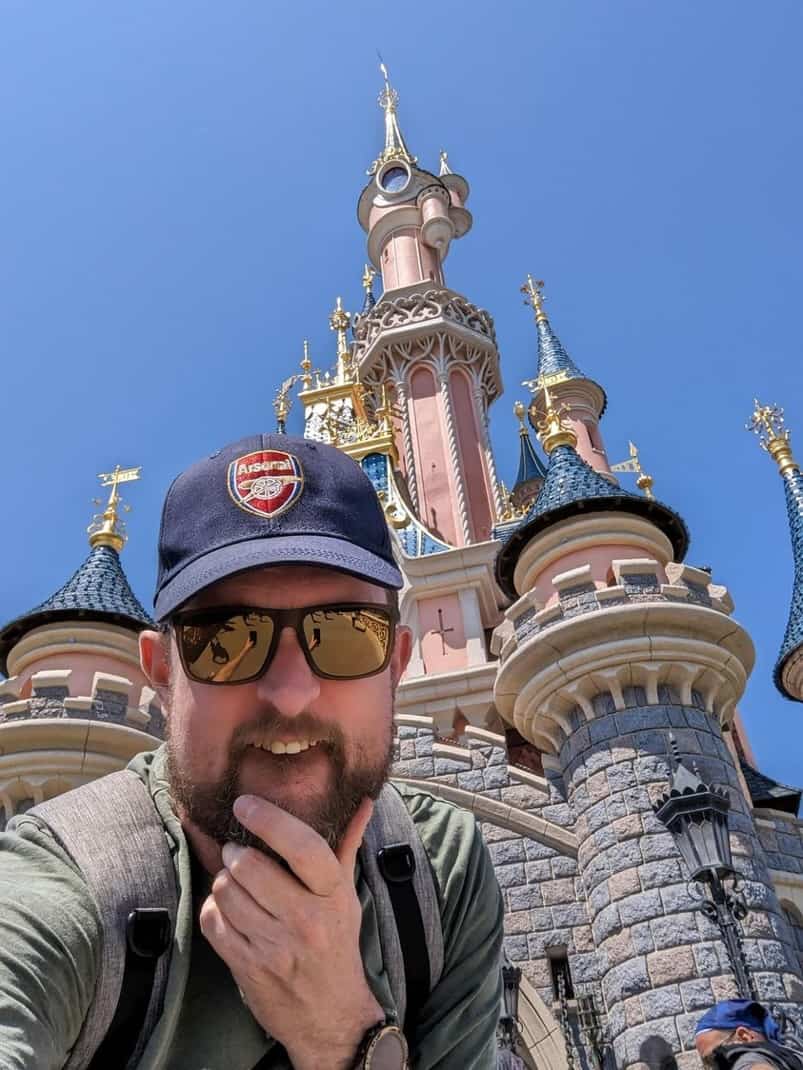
(292, 940)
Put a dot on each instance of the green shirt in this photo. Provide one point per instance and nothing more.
(50, 937)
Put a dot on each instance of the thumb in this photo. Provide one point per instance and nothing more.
(350, 844)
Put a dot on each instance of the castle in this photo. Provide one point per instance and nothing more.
(560, 639)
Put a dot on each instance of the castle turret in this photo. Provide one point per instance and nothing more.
(611, 643)
(768, 422)
(434, 349)
(581, 399)
(75, 703)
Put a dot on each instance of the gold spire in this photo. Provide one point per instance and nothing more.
(533, 295)
(633, 464)
(551, 431)
(282, 403)
(395, 147)
(306, 368)
(767, 422)
(340, 321)
(444, 162)
(107, 529)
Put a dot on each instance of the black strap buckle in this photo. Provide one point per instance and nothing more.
(396, 863)
(147, 931)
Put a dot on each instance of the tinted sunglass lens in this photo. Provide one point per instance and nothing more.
(226, 649)
(347, 642)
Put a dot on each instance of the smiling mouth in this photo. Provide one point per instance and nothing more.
(291, 746)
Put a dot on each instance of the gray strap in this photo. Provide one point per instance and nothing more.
(391, 823)
(113, 832)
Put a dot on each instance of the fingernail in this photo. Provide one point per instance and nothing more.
(243, 807)
(231, 852)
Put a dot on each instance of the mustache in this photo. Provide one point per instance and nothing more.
(271, 725)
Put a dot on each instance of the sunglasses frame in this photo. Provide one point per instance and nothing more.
(283, 618)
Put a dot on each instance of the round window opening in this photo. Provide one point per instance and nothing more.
(394, 179)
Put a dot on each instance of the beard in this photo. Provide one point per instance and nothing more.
(209, 805)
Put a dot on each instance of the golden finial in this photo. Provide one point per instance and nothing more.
(340, 321)
(282, 404)
(444, 163)
(533, 296)
(633, 464)
(106, 528)
(551, 430)
(519, 412)
(767, 422)
(395, 147)
(368, 277)
(306, 368)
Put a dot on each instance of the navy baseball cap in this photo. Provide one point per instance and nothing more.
(270, 500)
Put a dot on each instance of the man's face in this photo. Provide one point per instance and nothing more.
(219, 736)
(707, 1042)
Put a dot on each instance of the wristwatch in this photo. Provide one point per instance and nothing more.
(382, 1048)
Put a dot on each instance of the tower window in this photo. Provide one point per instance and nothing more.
(559, 967)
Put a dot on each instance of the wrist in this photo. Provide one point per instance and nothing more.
(340, 1052)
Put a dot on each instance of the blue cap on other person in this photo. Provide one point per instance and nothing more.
(731, 1013)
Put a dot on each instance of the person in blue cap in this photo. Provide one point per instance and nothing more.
(741, 1034)
(276, 655)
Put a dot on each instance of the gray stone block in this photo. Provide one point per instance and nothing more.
(677, 929)
(628, 979)
(516, 947)
(606, 923)
(660, 874)
(506, 851)
(525, 898)
(535, 850)
(538, 871)
(563, 866)
(423, 745)
(621, 777)
(569, 914)
(598, 898)
(602, 728)
(511, 875)
(641, 935)
(662, 1002)
(641, 907)
(471, 780)
(697, 994)
(655, 847)
(447, 767)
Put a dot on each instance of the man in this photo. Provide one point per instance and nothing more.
(743, 1035)
(276, 660)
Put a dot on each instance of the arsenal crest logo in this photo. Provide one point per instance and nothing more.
(266, 482)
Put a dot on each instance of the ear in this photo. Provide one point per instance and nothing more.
(154, 657)
(402, 649)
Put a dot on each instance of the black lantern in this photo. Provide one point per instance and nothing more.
(697, 817)
(509, 1021)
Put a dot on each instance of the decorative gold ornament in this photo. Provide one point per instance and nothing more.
(633, 464)
(368, 277)
(533, 296)
(549, 424)
(340, 321)
(767, 422)
(282, 403)
(107, 529)
(306, 368)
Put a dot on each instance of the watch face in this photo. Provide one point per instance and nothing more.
(394, 179)
(388, 1051)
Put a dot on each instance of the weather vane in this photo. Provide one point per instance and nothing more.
(533, 296)
(767, 422)
(633, 464)
(107, 529)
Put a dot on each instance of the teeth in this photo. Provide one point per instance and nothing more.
(294, 746)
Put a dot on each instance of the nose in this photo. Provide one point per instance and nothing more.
(289, 685)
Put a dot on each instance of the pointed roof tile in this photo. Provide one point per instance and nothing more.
(99, 590)
(530, 466)
(572, 487)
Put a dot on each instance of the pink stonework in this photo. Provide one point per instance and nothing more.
(475, 473)
(84, 667)
(600, 558)
(435, 491)
(443, 639)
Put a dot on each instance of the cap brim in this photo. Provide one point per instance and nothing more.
(320, 550)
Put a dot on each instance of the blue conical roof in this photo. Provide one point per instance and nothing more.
(571, 486)
(530, 467)
(554, 363)
(99, 590)
(552, 357)
(793, 639)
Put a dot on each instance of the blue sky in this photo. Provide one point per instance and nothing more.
(178, 195)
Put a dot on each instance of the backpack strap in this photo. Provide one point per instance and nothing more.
(113, 832)
(398, 872)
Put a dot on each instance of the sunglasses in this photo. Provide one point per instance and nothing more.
(236, 644)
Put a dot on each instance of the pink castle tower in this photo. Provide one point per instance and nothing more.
(433, 347)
